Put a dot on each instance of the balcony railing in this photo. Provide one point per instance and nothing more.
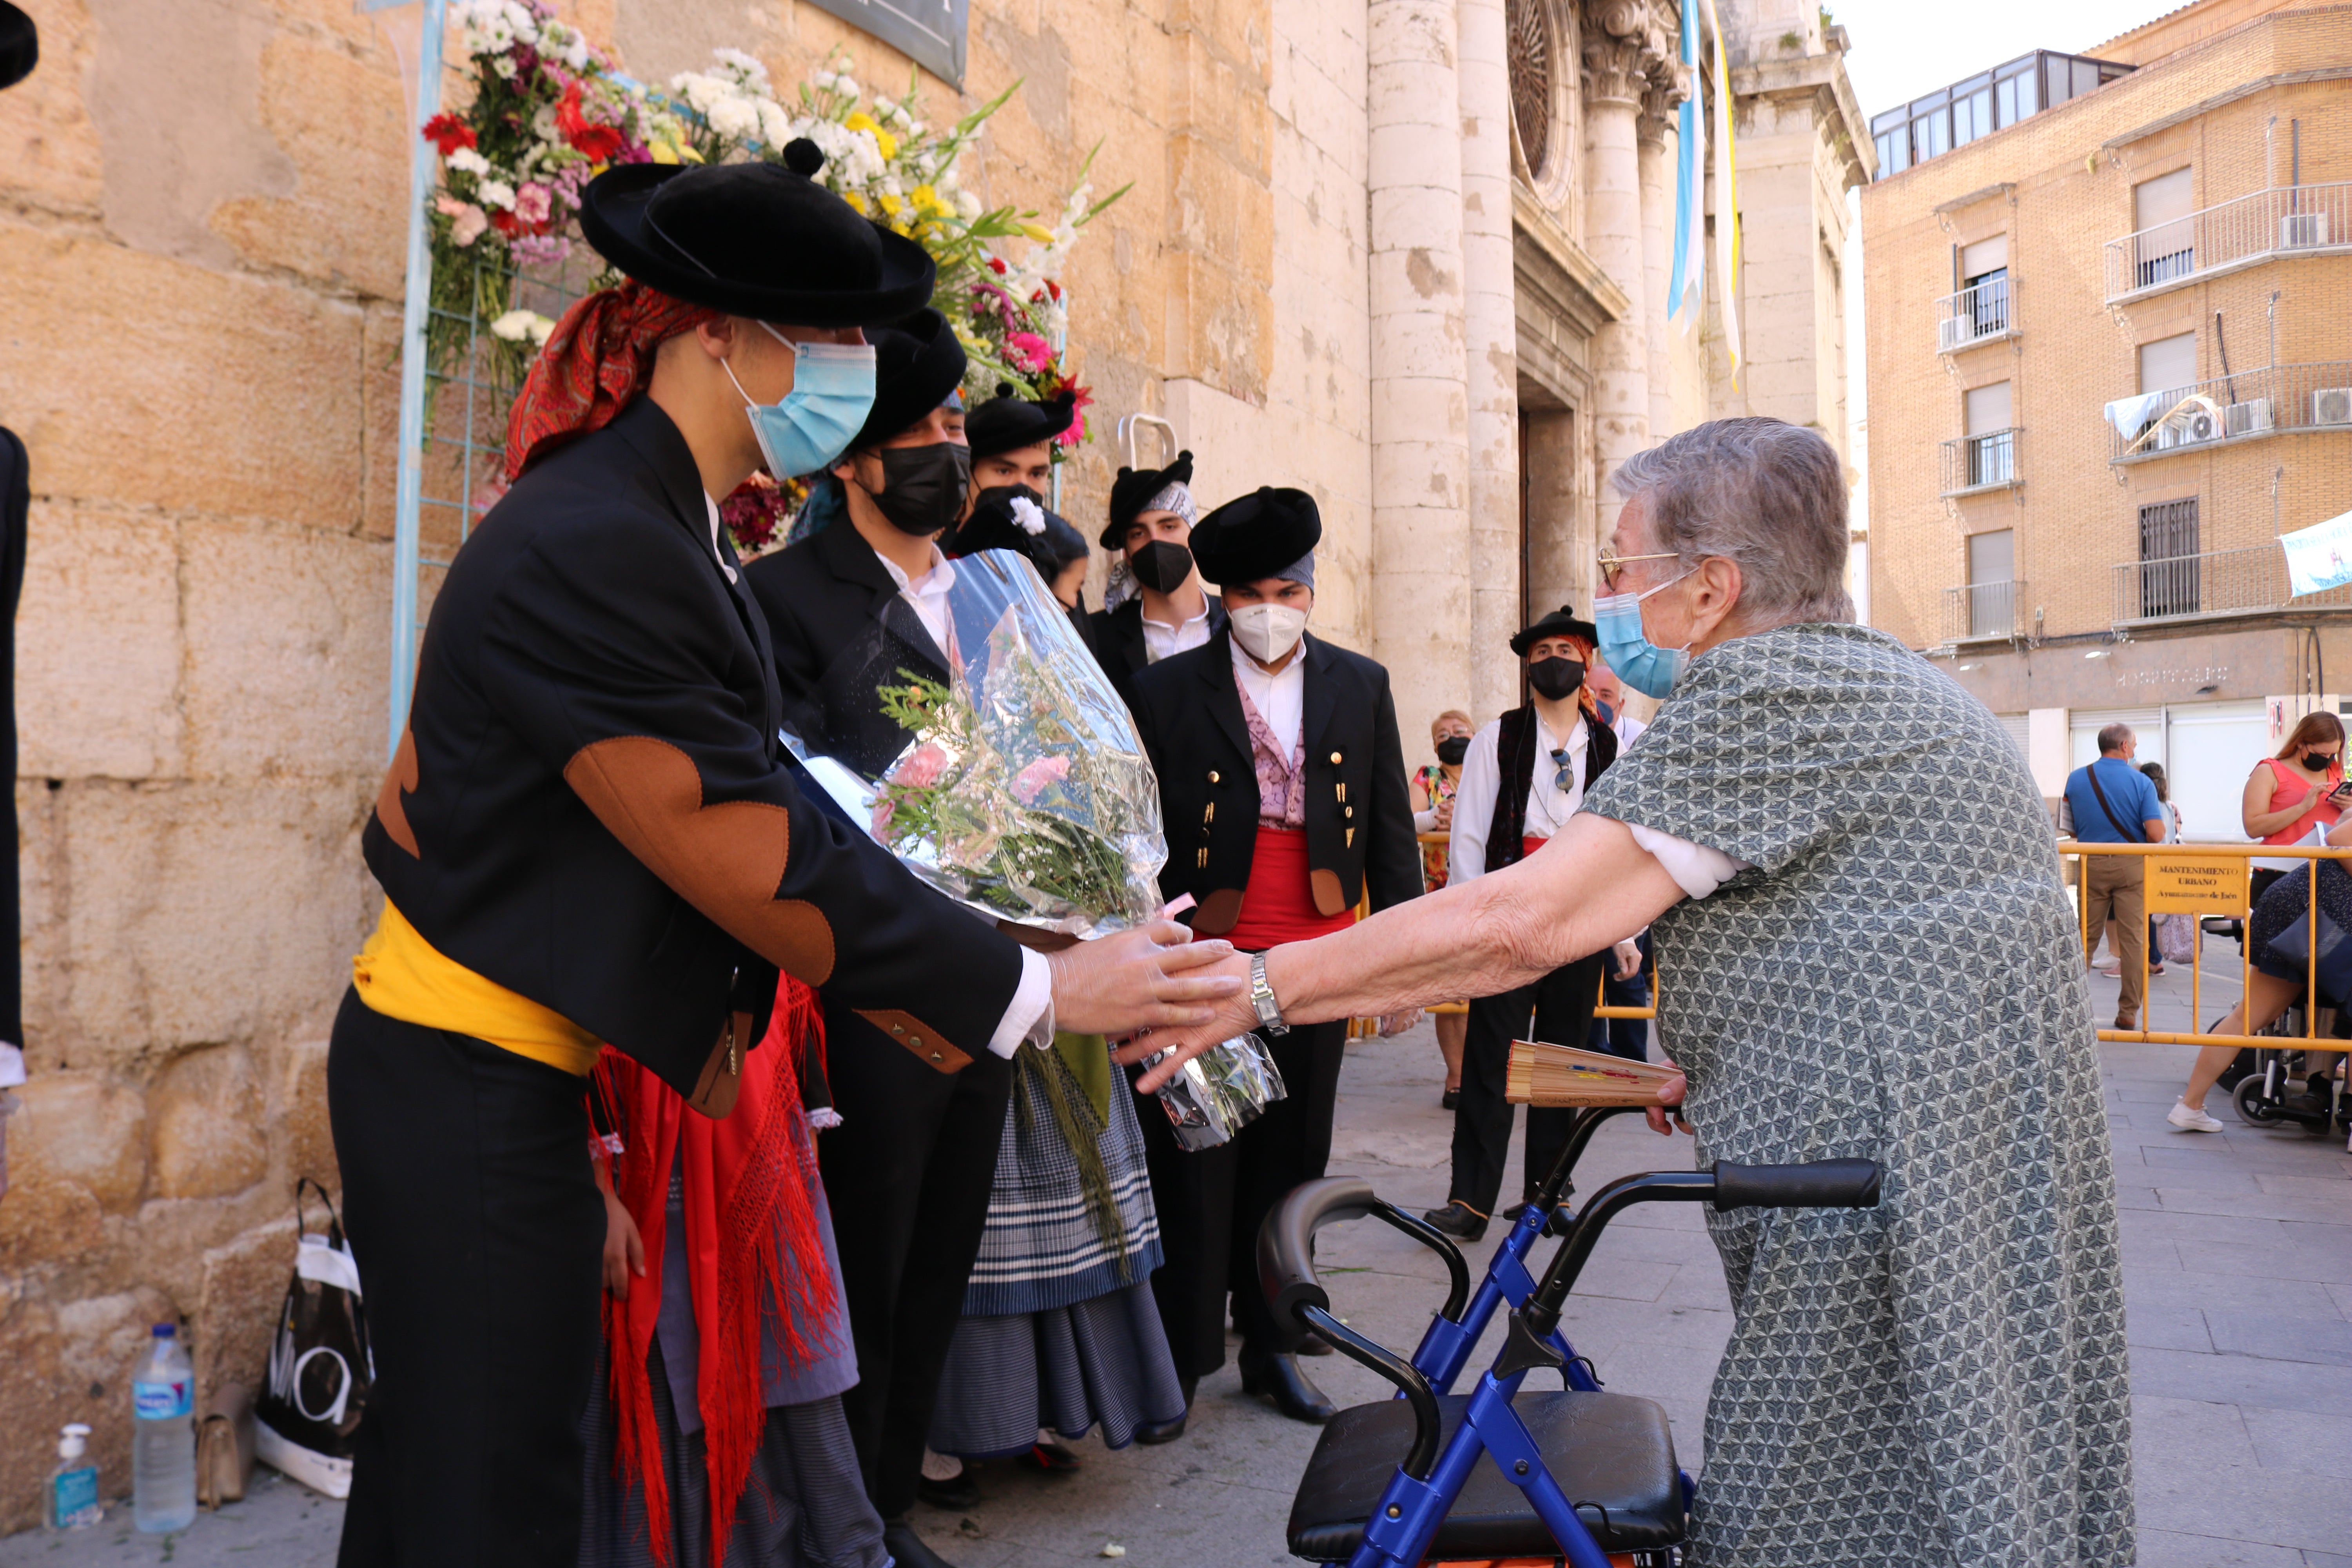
(1973, 463)
(1973, 316)
(2244, 406)
(2287, 220)
(1983, 610)
(2218, 582)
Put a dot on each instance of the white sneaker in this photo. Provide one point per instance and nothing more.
(2191, 1119)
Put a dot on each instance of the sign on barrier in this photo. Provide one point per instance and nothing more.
(2197, 884)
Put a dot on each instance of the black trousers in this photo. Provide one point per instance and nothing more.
(908, 1174)
(1561, 1002)
(475, 1217)
(1212, 1202)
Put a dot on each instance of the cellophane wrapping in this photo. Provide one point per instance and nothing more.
(1221, 1091)
(1025, 795)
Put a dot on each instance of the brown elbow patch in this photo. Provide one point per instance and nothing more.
(1218, 912)
(398, 780)
(1324, 886)
(928, 1045)
(727, 861)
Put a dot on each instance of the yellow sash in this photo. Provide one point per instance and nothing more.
(401, 976)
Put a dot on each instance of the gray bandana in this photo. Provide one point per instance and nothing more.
(1178, 498)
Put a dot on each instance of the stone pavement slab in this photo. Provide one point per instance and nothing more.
(2238, 1249)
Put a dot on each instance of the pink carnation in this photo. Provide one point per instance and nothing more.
(469, 220)
(532, 202)
(921, 769)
(1028, 351)
(1037, 777)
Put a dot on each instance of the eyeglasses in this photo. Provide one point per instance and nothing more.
(1611, 565)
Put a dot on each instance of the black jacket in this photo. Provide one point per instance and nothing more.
(840, 631)
(1118, 640)
(590, 806)
(1358, 819)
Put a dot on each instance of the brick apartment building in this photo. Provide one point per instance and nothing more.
(2110, 361)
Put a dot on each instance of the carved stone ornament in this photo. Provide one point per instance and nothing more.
(1528, 40)
(1624, 49)
(1612, 68)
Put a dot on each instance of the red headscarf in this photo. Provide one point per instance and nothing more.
(597, 359)
(753, 1251)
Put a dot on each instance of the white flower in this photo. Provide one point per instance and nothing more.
(775, 125)
(752, 71)
(504, 65)
(1026, 513)
(466, 160)
(847, 86)
(517, 325)
(967, 205)
(735, 118)
(823, 80)
(913, 127)
(495, 194)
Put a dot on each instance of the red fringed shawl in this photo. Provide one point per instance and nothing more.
(752, 1249)
(597, 359)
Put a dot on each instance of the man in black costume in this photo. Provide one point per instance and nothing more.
(588, 835)
(1151, 527)
(1011, 439)
(1522, 778)
(1282, 785)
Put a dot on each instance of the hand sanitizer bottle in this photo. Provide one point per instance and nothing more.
(70, 1501)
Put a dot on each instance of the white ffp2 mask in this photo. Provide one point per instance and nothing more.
(1268, 631)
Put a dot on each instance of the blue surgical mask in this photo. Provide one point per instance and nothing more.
(832, 392)
(1641, 664)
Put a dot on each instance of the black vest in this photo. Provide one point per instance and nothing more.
(1515, 754)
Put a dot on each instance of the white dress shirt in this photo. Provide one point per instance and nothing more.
(1030, 1019)
(1280, 698)
(1160, 640)
(927, 595)
(716, 554)
(1628, 728)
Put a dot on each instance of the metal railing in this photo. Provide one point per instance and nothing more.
(2209, 880)
(2286, 220)
(2216, 583)
(1973, 316)
(1983, 610)
(2247, 406)
(1967, 464)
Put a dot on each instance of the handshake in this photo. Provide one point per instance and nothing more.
(1153, 989)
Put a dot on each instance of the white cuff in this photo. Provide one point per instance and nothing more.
(1425, 821)
(1030, 1019)
(1698, 870)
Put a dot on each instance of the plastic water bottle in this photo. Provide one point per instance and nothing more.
(163, 1440)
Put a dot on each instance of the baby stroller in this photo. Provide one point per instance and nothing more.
(1578, 1476)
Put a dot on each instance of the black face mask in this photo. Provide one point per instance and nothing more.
(2317, 762)
(923, 487)
(1556, 678)
(1161, 565)
(1453, 749)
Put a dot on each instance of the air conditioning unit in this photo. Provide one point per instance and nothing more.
(2246, 418)
(2198, 425)
(2301, 231)
(1954, 333)
(2168, 435)
(2332, 406)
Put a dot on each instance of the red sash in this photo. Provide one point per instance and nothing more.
(1276, 905)
(1528, 846)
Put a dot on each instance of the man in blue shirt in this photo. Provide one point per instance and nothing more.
(2112, 801)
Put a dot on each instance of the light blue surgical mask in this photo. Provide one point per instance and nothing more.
(832, 392)
(1641, 664)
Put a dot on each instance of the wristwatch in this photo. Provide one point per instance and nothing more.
(1269, 1011)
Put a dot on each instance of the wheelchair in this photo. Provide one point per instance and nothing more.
(2271, 1093)
(1578, 1476)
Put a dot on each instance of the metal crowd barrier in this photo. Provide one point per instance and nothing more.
(1601, 1005)
(2208, 881)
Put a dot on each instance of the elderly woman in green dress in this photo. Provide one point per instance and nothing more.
(1863, 949)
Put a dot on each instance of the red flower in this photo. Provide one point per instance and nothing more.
(447, 133)
(1053, 288)
(597, 143)
(996, 265)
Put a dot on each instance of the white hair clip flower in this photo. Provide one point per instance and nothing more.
(1028, 515)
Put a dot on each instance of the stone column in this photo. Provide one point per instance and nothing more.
(1491, 363)
(1420, 461)
(1655, 137)
(1614, 80)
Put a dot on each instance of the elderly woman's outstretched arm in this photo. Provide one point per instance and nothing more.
(1590, 887)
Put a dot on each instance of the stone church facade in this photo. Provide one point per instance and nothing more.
(1411, 254)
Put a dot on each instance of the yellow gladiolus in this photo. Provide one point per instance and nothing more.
(662, 151)
(1039, 232)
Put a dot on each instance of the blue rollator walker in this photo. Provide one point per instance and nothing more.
(1578, 1475)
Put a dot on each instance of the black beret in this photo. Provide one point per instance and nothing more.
(1006, 424)
(1560, 622)
(1132, 491)
(1256, 536)
(20, 45)
(993, 526)
(917, 365)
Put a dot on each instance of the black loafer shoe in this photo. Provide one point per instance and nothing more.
(1458, 1220)
(1449, 1100)
(955, 1494)
(1053, 1458)
(1279, 1378)
(1153, 1433)
(900, 1540)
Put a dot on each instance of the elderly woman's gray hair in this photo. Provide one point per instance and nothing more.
(1763, 492)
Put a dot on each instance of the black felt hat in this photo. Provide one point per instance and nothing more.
(755, 240)
(917, 365)
(1256, 536)
(995, 524)
(1559, 623)
(20, 46)
(1132, 489)
(1006, 423)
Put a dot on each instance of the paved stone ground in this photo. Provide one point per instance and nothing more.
(2239, 1254)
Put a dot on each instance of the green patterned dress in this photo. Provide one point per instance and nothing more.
(1941, 1380)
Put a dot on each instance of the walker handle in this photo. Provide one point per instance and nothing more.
(1822, 1185)
(1286, 1247)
